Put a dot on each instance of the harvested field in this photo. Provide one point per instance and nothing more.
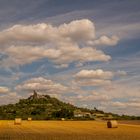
(67, 130)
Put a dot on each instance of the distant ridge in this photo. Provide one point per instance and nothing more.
(44, 107)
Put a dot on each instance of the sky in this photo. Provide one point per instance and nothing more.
(86, 53)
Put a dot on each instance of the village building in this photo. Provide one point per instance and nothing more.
(79, 113)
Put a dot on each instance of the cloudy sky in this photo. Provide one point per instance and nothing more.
(83, 52)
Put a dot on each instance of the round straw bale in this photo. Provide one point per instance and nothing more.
(62, 119)
(18, 121)
(29, 119)
(112, 124)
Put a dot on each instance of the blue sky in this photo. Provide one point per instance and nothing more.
(83, 52)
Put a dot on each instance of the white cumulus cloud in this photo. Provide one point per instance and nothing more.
(93, 74)
(63, 44)
(42, 84)
(93, 77)
(4, 89)
(104, 40)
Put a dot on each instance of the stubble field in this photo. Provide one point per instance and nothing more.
(67, 130)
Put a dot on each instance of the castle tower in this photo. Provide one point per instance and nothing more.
(35, 95)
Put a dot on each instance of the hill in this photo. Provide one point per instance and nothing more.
(44, 107)
(39, 107)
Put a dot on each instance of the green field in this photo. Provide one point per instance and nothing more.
(67, 130)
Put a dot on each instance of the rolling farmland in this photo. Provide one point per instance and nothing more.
(67, 130)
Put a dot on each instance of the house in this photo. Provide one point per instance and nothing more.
(98, 115)
(78, 113)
